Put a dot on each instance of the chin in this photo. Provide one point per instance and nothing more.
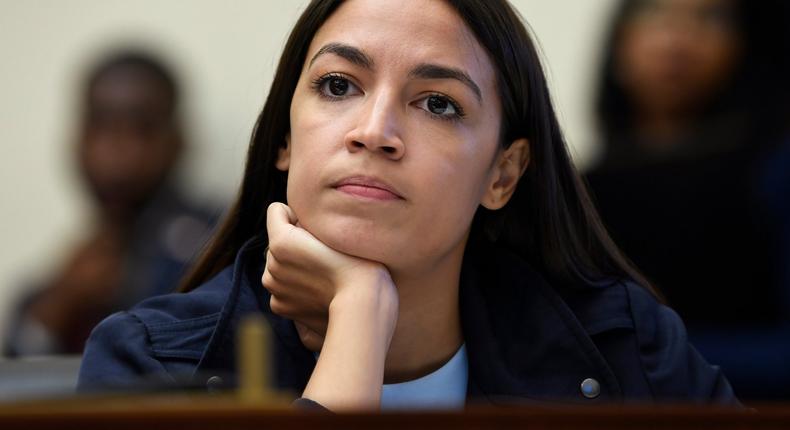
(356, 237)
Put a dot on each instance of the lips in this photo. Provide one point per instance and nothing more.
(367, 187)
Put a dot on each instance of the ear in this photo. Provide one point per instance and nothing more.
(505, 174)
(284, 155)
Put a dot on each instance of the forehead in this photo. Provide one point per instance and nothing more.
(406, 32)
(128, 86)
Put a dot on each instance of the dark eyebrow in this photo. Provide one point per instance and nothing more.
(348, 52)
(434, 71)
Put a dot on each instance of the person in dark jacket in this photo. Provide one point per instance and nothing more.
(437, 247)
(143, 229)
(694, 108)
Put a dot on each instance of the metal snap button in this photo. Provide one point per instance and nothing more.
(590, 388)
(214, 384)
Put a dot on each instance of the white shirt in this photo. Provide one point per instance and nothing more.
(445, 388)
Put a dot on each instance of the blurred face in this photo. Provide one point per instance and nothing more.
(394, 131)
(128, 140)
(674, 54)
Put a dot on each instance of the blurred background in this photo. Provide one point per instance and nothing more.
(675, 110)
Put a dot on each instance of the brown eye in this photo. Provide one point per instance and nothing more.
(438, 105)
(337, 86)
(441, 106)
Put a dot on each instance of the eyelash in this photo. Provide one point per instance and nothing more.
(459, 111)
(317, 87)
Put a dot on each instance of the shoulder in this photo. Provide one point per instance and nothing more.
(646, 345)
(202, 302)
(163, 337)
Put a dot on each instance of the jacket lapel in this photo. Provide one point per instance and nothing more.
(523, 342)
(292, 362)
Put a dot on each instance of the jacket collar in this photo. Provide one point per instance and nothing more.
(294, 362)
(523, 342)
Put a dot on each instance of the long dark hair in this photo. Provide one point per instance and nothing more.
(550, 220)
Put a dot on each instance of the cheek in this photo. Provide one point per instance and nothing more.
(314, 138)
(451, 187)
(717, 58)
(303, 180)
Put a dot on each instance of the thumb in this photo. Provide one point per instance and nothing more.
(279, 218)
(310, 338)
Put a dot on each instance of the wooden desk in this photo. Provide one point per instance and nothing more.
(226, 412)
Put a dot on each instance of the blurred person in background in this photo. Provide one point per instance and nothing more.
(694, 183)
(143, 232)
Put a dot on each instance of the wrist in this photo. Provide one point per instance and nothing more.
(371, 292)
(350, 370)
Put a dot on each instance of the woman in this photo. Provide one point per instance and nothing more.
(430, 204)
(693, 105)
(682, 80)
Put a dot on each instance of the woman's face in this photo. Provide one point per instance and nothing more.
(394, 132)
(674, 54)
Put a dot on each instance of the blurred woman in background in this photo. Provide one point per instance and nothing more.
(693, 108)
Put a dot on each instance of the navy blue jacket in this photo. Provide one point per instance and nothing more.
(525, 341)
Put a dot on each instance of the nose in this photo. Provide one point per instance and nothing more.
(378, 129)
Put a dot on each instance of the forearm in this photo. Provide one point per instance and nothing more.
(350, 370)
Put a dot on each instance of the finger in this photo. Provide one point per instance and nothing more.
(291, 214)
(282, 232)
(268, 281)
(277, 306)
(316, 323)
(289, 243)
(278, 278)
(271, 260)
(309, 337)
(313, 343)
(286, 283)
(280, 271)
(278, 217)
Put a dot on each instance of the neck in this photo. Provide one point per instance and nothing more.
(428, 331)
(662, 128)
